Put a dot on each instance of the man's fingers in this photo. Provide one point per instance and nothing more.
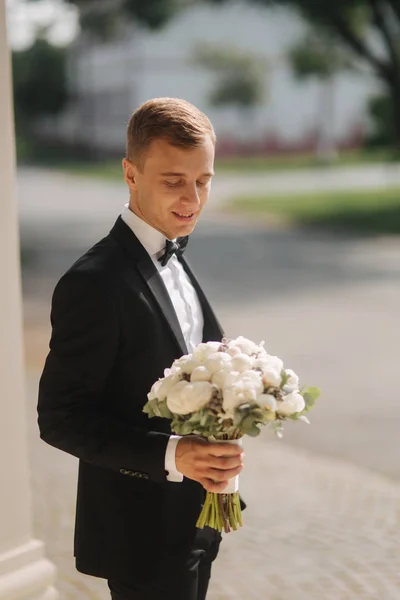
(218, 475)
(213, 486)
(217, 462)
(216, 449)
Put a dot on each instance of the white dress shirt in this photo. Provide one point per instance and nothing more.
(183, 297)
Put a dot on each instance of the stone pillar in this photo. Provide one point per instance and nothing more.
(25, 573)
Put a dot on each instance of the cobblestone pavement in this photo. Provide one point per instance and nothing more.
(315, 528)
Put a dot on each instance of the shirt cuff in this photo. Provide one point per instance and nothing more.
(170, 466)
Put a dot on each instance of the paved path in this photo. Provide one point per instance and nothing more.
(324, 516)
(315, 529)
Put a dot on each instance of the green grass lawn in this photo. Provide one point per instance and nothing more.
(366, 212)
(62, 159)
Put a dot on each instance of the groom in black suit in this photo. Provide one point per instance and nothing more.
(121, 315)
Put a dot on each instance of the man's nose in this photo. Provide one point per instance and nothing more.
(191, 195)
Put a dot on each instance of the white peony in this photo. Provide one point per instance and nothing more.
(190, 365)
(293, 379)
(267, 401)
(247, 346)
(232, 398)
(162, 387)
(179, 362)
(242, 362)
(200, 373)
(185, 398)
(202, 351)
(271, 377)
(274, 361)
(292, 403)
(224, 378)
(217, 361)
(252, 379)
(233, 350)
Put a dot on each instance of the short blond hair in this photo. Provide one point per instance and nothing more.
(179, 122)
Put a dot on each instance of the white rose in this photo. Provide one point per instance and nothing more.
(247, 346)
(200, 373)
(267, 401)
(202, 351)
(185, 398)
(271, 377)
(217, 361)
(242, 362)
(292, 403)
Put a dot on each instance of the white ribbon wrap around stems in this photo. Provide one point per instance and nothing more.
(233, 484)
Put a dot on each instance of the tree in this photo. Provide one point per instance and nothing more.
(317, 57)
(239, 77)
(39, 82)
(353, 25)
(102, 18)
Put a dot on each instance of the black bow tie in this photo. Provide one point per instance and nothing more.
(178, 247)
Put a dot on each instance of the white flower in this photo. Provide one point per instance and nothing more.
(202, 351)
(292, 403)
(244, 389)
(200, 373)
(233, 350)
(217, 361)
(242, 362)
(233, 397)
(224, 378)
(274, 361)
(293, 379)
(247, 346)
(190, 365)
(271, 377)
(166, 384)
(252, 379)
(267, 401)
(185, 398)
(179, 362)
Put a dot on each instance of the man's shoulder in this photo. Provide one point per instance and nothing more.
(99, 266)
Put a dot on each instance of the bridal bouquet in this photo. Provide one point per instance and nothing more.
(223, 391)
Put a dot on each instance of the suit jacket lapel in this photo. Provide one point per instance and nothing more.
(156, 285)
(151, 277)
(212, 328)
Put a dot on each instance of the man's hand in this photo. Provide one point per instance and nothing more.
(209, 463)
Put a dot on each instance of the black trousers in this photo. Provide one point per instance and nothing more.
(189, 582)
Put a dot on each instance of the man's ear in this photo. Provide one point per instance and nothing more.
(130, 172)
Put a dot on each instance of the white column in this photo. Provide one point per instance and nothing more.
(25, 573)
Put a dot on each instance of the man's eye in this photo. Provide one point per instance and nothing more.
(173, 183)
(202, 183)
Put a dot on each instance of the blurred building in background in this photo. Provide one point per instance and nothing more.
(109, 80)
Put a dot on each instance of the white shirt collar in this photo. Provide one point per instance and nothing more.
(151, 239)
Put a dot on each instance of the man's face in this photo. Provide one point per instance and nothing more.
(172, 187)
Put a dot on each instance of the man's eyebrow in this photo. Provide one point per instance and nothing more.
(175, 174)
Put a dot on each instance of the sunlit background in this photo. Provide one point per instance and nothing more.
(298, 247)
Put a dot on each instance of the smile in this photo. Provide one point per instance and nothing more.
(186, 217)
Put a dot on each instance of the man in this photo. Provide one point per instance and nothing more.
(121, 314)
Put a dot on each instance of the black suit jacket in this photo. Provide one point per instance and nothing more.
(114, 332)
